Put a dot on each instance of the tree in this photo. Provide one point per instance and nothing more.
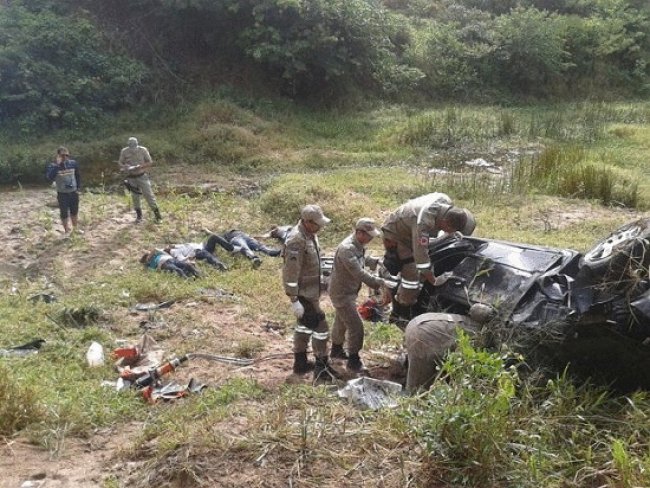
(54, 71)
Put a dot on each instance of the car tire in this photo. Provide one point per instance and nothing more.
(626, 249)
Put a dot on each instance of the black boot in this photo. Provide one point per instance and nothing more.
(138, 215)
(354, 363)
(338, 352)
(400, 315)
(300, 363)
(323, 372)
(156, 212)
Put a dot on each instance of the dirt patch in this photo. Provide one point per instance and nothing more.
(35, 247)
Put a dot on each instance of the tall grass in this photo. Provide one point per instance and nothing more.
(566, 171)
(483, 426)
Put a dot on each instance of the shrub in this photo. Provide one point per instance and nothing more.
(56, 73)
(19, 405)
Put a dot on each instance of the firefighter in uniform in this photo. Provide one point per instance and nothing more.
(430, 336)
(348, 274)
(301, 277)
(406, 239)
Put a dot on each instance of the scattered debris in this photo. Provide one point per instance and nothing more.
(481, 163)
(26, 349)
(370, 393)
(172, 391)
(221, 359)
(95, 355)
(149, 306)
(274, 327)
(46, 297)
(79, 317)
(217, 293)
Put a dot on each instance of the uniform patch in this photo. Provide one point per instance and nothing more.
(424, 240)
(292, 254)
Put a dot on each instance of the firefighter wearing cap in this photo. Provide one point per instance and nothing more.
(302, 284)
(134, 161)
(406, 239)
(348, 274)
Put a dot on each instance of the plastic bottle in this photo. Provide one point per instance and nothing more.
(95, 355)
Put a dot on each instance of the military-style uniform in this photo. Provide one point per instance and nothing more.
(348, 274)
(428, 337)
(138, 178)
(409, 228)
(301, 278)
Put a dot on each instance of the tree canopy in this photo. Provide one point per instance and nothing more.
(63, 63)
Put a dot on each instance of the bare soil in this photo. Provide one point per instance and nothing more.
(29, 228)
(36, 248)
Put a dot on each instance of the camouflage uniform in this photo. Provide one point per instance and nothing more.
(137, 178)
(428, 337)
(409, 228)
(301, 278)
(348, 274)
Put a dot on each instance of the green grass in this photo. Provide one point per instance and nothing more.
(483, 426)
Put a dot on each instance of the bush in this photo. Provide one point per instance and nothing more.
(56, 73)
(19, 405)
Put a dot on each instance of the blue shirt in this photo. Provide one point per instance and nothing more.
(66, 175)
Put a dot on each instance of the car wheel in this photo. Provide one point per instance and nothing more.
(627, 249)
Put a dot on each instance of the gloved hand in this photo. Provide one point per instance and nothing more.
(298, 309)
(391, 282)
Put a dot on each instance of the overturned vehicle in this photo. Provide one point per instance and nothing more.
(589, 313)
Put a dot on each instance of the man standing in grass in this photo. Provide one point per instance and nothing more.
(302, 284)
(134, 161)
(348, 274)
(65, 173)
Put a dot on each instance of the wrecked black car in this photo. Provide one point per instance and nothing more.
(588, 313)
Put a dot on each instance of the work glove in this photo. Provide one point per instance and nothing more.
(297, 309)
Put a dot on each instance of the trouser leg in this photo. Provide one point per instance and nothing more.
(172, 268)
(243, 245)
(409, 287)
(136, 197)
(354, 326)
(210, 258)
(256, 245)
(338, 329)
(64, 210)
(145, 187)
(314, 324)
(211, 244)
(320, 338)
(269, 251)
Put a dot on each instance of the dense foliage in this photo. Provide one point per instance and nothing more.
(320, 49)
(56, 72)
